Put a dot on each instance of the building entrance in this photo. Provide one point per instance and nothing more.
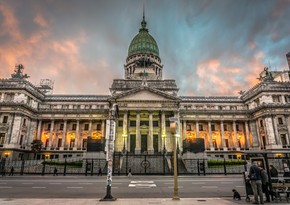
(143, 143)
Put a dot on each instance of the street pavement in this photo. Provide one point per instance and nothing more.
(142, 201)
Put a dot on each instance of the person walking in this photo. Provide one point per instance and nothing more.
(265, 184)
(129, 172)
(256, 183)
(11, 171)
(55, 171)
(100, 172)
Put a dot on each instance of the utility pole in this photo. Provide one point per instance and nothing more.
(110, 138)
(173, 130)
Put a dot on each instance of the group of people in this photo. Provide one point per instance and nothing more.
(11, 173)
(260, 181)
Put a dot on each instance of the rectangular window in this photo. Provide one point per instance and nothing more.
(225, 127)
(155, 123)
(86, 127)
(5, 119)
(212, 127)
(2, 138)
(280, 121)
(132, 123)
(74, 126)
(24, 122)
(99, 126)
(261, 123)
(61, 127)
(237, 127)
(167, 123)
(188, 127)
(200, 127)
(48, 126)
(120, 123)
(21, 139)
(144, 123)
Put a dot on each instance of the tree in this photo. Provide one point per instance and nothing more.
(36, 146)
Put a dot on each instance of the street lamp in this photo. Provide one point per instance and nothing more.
(114, 113)
(173, 130)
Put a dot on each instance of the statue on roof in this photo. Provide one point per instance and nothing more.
(266, 75)
(18, 72)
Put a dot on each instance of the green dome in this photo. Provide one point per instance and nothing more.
(143, 42)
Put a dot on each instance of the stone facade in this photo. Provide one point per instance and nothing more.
(257, 119)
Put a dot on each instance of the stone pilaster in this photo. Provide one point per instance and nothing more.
(247, 135)
(77, 135)
(63, 141)
(210, 136)
(270, 133)
(150, 147)
(197, 129)
(125, 129)
(90, 128)
(138, 135)
(163, 130)
(288, 128)
(235, 139)
(223, 136)
(51, 134)
(39, 130)
(255, 134)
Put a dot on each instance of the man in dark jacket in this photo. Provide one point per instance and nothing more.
(256, 183)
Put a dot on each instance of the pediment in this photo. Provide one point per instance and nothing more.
(144, 94)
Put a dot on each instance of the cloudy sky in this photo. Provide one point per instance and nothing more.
(210, 47)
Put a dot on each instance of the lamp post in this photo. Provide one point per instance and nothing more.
(173, 130)
(110, 149)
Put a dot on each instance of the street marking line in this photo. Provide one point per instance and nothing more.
(137, 182)
(172, 187)
(240, 186)
(74, 187)
(38, 187)
(209, 187)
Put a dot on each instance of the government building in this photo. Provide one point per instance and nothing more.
(255, 119)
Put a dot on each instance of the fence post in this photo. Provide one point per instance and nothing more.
(203, 167)
(245, 164)
(22, 167)
(43, 167)
(198, 171)
(64, 170)
(92, 167)
(225, 168)
(86, 171)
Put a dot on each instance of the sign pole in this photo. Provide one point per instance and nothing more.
(110, 149)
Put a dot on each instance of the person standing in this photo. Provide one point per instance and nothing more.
(55, 171)
(100, 172)
(256, 183)
(273, 171)
(129, 172)
(265, 184)
(11, 171)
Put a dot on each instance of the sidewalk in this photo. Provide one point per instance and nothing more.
(143, 201)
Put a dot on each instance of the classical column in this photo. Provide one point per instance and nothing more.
(163, 130)
(51, 134)
(150, 147)
(138, 135)
(184, 130)
(197, 129)
(63, 141)
(39, 130)
(125, 128)
(247, 135)
(270, 132)
(288, 128)
(223, 136)
(90, 128)
(103, 128)
(77, 135)
(210, 136)
(276, 133)
(235, 139)
(255, 134)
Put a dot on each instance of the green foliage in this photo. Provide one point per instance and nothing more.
(76, 164)
(229, 162)
(36, 146)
